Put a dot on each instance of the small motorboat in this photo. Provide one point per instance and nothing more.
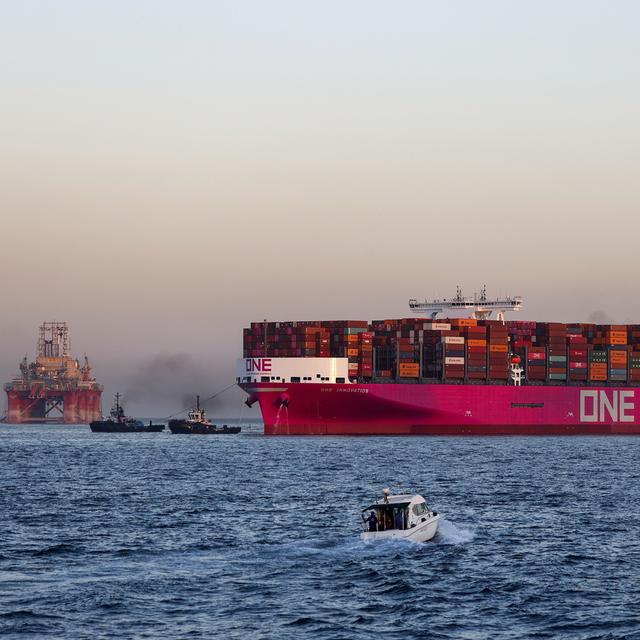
(198, 423)
(403, 516)
(119, 423)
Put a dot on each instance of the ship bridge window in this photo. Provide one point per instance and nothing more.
(340, 380)
(265, 379)
(295, 379)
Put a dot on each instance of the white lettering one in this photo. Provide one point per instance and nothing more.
(593, 416)
(611, 406)
(626, 406)
(603, 406)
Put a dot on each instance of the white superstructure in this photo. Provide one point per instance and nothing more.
(480, 306)
(279, 370)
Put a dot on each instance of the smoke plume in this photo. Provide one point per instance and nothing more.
(167, 384)
(599, 317)
(168, 380)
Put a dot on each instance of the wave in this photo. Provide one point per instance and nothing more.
(27, 614)
(451, 533)
(57, 549)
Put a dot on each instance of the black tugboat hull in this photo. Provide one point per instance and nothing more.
(179, 426)
(105, 426)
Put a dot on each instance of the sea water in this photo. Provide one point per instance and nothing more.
(160, 535)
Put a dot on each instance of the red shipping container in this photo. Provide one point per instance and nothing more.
(578, 353)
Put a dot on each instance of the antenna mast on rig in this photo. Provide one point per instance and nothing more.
(480, 306)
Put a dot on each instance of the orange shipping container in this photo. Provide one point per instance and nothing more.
(618, 355)
(409, 369)
(472, 342)
(352, 352)
(465, 322)
(498, 348)
(621, 358)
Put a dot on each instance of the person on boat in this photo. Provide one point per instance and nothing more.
(373, 521)
(399, 519)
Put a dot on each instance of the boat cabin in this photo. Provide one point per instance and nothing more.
(198, 415)
(398, 512)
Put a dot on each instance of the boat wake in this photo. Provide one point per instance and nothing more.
(451, 533)
(346, 548)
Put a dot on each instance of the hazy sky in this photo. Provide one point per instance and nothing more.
(171, 171)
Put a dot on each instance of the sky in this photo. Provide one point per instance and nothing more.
(172, 171)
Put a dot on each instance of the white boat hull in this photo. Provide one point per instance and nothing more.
(422, 532)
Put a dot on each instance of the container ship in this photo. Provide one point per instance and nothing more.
(430, 376)
(55, 388)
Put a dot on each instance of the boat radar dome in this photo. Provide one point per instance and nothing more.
(386, 493)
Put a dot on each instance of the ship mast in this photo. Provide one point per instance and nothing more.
(480, 306)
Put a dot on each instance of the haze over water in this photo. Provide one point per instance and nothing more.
(171, 172)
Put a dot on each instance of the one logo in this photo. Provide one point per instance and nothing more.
(604, 406)
(258, 364)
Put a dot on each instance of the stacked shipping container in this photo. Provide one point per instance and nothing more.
(461, 349)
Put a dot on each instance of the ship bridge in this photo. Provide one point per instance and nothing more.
(480, 305)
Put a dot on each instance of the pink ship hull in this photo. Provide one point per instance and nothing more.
(445, 409)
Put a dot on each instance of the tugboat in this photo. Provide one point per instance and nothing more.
(119, 423)
(197, 422)
(404, 516)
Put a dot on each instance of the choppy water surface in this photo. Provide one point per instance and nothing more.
(154, 535)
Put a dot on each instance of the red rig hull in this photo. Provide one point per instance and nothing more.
(445, 409)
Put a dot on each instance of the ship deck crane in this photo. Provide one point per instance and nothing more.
(480, 305)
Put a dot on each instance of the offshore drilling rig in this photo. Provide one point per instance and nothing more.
(54, 388)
